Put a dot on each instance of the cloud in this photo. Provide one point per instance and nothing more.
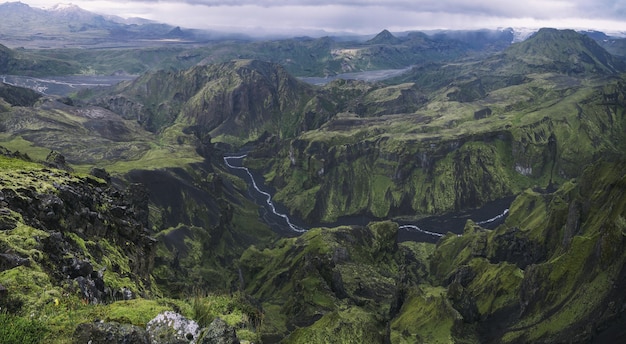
(368, 16)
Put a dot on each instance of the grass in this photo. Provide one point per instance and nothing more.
(15, 329)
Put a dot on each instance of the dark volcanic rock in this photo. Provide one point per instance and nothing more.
(517, 249)
(10, 261)
(57, 160)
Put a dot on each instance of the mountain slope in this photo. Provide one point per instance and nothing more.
(26, 63)
(564, 51)
(553, 272)
(240, 99)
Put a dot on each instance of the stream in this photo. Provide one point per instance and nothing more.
(428, 229)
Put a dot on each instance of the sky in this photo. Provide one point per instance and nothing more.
(293, 17)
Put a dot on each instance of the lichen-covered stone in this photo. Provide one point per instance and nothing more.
(172, 328)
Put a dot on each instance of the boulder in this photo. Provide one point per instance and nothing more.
(172, 328)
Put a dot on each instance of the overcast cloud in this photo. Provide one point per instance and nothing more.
(365, 16)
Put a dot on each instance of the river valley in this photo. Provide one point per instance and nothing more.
(427, 229)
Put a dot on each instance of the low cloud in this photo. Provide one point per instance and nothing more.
(275, 16)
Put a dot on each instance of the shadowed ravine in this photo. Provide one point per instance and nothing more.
(428, 229)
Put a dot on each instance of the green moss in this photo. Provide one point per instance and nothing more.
(496, 287)
(351, 325)
(30, 285)
(425, 317)
(138, 311)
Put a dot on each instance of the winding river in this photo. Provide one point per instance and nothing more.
(428, 229)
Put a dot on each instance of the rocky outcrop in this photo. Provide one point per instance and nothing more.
(166, 328)
(310, 275)
(89, 232)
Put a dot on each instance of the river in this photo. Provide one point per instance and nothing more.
(428, 229)
(64, 85)
(372, 75)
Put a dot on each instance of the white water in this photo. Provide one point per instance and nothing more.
(497, 217)
(415, 228)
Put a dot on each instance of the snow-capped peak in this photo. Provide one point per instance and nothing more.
(65, 7)
(520, 34)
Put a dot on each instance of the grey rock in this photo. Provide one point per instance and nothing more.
(219, 332)
(172, 328)
(109, 333)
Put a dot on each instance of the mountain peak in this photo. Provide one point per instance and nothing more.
(565, 51)
(384, 37)
(65, 7)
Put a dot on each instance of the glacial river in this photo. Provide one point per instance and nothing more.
(428, 229)
(63, 85)
(370, 75)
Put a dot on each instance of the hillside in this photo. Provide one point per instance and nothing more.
(24, 63)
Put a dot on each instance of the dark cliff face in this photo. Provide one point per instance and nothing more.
(17, 96)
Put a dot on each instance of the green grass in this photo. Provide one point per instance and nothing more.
(15, 329)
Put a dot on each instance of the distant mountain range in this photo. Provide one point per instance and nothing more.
(63, 26)
(67, 26)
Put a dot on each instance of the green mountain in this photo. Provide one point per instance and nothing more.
(117, 204)
(565, 52)
(240, 99)
(25, 63)
(543, 276)
(384, 37)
